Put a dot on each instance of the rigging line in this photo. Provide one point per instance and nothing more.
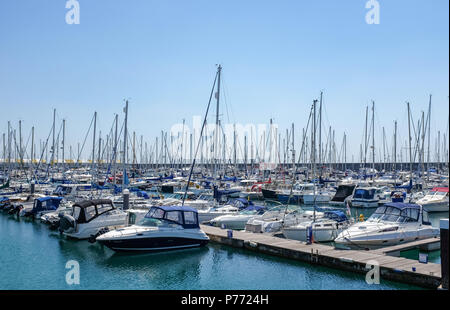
(298, 162)
(84, 142)
(21, 160)
(198, 144)
(113, 159)
(43, 150)
(109, 138)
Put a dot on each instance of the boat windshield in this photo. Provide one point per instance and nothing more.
(205, 197)
(159, 217)
(391, 214)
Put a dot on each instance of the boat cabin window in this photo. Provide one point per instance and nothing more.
(410, 215)
(76, 212)
(174, 216)
(425, 218)
(391, 214)
(89, 213)
(190, 218)
(104, 208)
(155, 213)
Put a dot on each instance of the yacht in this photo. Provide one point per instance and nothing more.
(324, 229)
(163, 228)
(391, 224)
(436, 200)
(239, 220)
(272, 221)
(368, 197)
(90, 217)
(319, 197)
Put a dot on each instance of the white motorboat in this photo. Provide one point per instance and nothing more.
(205, 215)
(369, 197)
(323, 229)
(391, 224)
(90, 217)
(272, 222)
(319, 197)
(436, 200)
(163, 228)
(237, 221)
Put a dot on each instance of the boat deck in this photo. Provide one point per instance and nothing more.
(391, 268)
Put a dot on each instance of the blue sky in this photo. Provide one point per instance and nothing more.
(277, 57)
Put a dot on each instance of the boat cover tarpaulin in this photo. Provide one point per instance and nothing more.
(440, 189)
(343, 192)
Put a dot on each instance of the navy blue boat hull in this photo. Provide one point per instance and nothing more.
(152, 244)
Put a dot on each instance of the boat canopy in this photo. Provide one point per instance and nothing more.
(88, 203)
(46, 204)
(181, 215)
(43, 199)
(364, 193)
(339, 216)
(177, 208)
(400, 212)
(343, 192)
(143, 194)
(402, 205)
(87, 210)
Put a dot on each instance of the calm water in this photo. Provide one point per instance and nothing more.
(33, 257)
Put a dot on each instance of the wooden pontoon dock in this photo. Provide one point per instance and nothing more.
(391, 267)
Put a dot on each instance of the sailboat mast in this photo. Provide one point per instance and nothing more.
(115, 148)
(93, 146)
(53, 131)
(216, 146)
(313, 152)
(373, 138)
(320, 132)
(429, 139)
(63, 143)
(395, 147)
(125, 134)
(409, 139)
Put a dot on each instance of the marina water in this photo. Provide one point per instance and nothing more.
(33, 257)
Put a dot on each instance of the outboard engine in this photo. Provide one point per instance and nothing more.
(66, 222)
(15, 209)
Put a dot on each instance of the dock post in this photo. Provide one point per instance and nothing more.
(126, 199)
(32, 187)
(444, 252)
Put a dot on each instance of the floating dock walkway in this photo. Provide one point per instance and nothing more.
(391, 267)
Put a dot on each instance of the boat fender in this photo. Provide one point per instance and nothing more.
(251, 244)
